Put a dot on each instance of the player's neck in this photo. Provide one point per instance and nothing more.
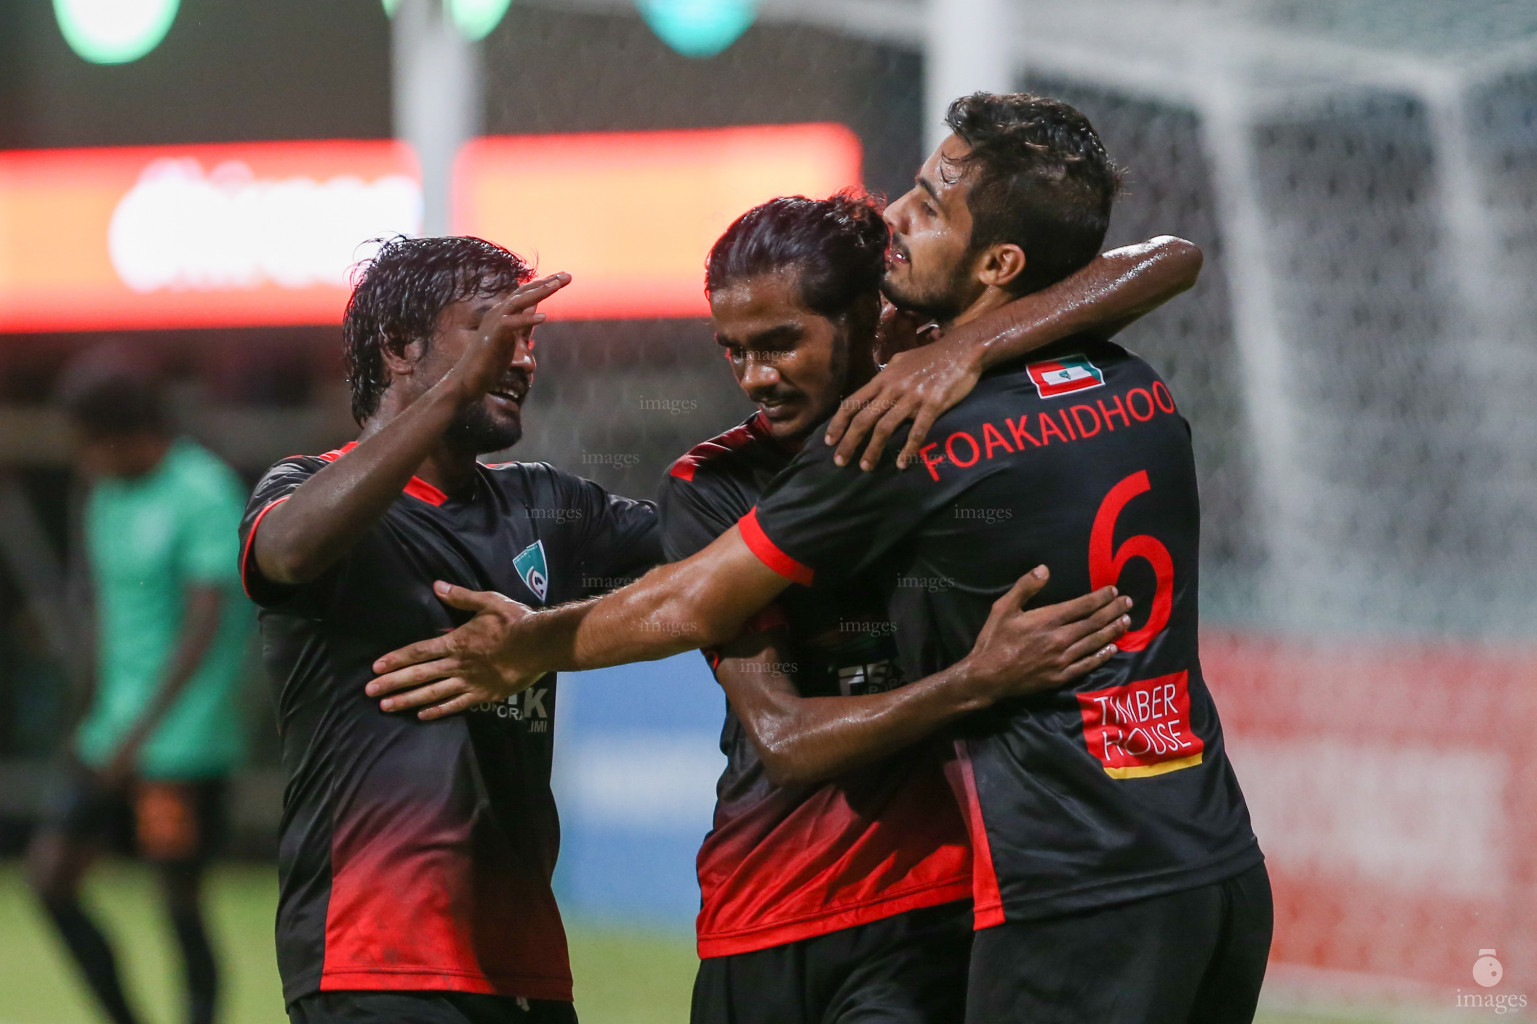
(446, 467)
(990, 299)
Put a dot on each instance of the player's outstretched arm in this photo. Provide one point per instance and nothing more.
(306, 534)
(701, 601)
(1114, 290)
(808, 740)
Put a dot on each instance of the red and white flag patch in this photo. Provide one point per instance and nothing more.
(1056, 377)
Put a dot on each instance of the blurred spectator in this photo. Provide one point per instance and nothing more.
(162, 732)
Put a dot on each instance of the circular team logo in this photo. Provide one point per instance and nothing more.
(1487, 971)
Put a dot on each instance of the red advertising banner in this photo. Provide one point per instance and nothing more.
(265, 234)
(251, 234)
(633, 216)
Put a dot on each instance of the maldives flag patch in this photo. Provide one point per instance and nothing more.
(1056, 377)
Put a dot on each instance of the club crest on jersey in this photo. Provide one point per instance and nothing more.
(532, 569)
(1056, 377)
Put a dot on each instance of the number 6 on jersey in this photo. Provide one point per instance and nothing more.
(1107, 562)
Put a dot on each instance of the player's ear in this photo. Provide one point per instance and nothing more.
(401, 354)
(1001, 264)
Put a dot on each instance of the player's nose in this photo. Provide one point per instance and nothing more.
(523, 357)
(760, 373)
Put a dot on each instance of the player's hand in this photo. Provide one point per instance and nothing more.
(919, 384)
(483, 366)
(454, 672)
(1020, 652)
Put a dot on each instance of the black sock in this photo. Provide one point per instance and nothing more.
(94, 955)
(202, 971)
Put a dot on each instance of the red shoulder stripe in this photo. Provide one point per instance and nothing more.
(768, 552)
(737, 437)
(245, 552)
(416, 487)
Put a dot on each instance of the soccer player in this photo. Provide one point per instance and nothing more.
(1116, 877)
(415, 858)
(163, 731)
(795, 923)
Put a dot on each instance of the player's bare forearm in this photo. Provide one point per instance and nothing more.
(804, 740)
(1116, 288)
(809, 740)
(701, 601)
(326, 515)
(921, 383)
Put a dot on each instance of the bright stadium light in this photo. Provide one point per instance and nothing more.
(114, 31)
(698, 28)
(474, 18)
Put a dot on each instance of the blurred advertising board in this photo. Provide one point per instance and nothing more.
(266, 234)
(250, 234)
(632, 216)
(1392, 787)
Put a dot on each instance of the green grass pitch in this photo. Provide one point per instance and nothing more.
(622, 976)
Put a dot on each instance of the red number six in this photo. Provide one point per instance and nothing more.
(1107, 562)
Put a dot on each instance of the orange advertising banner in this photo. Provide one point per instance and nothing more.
(632, 216)
(249, 234)
(266, 234)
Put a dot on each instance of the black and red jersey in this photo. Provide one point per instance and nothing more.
(1117, 786)
(782, 863)
(417, 855)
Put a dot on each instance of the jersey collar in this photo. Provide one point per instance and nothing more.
(416, 487)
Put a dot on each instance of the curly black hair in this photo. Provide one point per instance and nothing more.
(837, 244)
(399, 294)
(1040, 179)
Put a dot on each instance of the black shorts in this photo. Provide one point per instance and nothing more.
(425, 1008)
(1193, 957)
(165, 821)
(907, 969)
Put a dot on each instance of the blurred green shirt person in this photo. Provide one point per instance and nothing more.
(163, 732)
(147, 540)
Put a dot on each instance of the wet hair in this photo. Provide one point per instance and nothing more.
(1040, 179)
(399, 295)
(837, 246)
(108, 395)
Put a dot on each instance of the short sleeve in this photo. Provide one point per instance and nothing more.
(690, 520)
(620, 538)
(210, 515)
(818, 521)
(693, 515)
(275, 487)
